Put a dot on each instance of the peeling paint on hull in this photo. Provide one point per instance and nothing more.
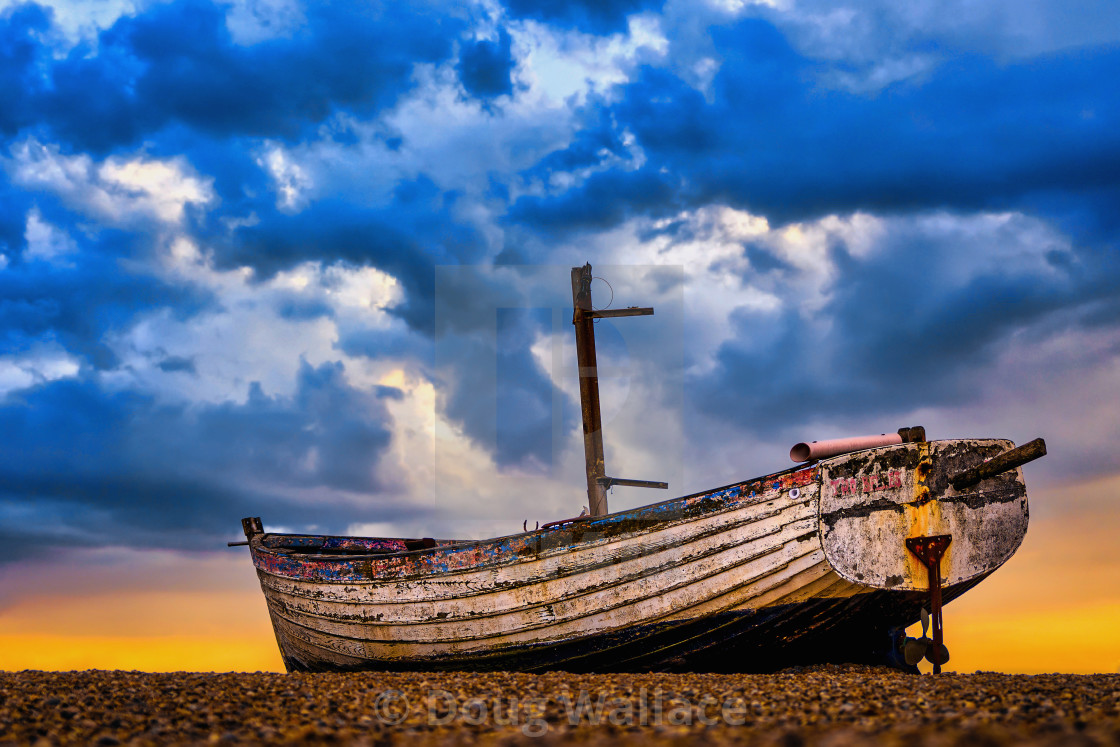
(749, 577)
(863, 530)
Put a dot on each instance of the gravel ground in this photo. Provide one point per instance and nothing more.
(828, 705)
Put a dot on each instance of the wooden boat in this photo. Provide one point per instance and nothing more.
(825, 561)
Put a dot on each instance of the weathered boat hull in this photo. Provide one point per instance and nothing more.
(844, 629)
(749, 577)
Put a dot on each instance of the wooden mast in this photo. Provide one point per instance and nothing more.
(583, 318)
(589, 389)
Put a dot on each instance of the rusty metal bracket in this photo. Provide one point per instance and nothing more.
(617, 313)
(930, 550)
(915, 434)
(610, 482)
(252, 525)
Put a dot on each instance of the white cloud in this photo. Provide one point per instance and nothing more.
(227, 351)
(46, 242)
(561, 68)
(986, 243)
(254, 21)
(45, 361)
(250, 334)
(710, 244)
(798, 271)
(162, 188)
(444, 136)
(738, 6)
(880, 73)
(458, 142)
(117, 190)
(878, 40)
(80, 20)
(289, 178)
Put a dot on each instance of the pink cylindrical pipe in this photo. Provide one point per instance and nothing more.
(803, 452)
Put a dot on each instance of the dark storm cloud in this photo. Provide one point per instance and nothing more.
(602, 202)
(486, 375)
(903, 330)
(590, 16)
(1009, 29)
(79, 304)
(771, 138)
(373, 342)
(492, 382)
(20, 50)
(120, 468)
(596, 141)
(763, 260)
(485, 67)
(174, 363)
(174, 72)
(14, 206)
(523, 392)
(176, 63)
(85, 295)
(407, 240)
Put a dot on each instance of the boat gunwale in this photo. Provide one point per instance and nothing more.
(561, 524)
(310, 559)
(777, 547)
(567, 573)
(599, 540)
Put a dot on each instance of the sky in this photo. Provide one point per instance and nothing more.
(310, 262)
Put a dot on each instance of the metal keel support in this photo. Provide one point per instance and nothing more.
(930, 550)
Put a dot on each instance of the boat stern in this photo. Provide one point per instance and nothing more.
(873, 501)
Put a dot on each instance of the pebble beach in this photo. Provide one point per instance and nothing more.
(827, 705)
